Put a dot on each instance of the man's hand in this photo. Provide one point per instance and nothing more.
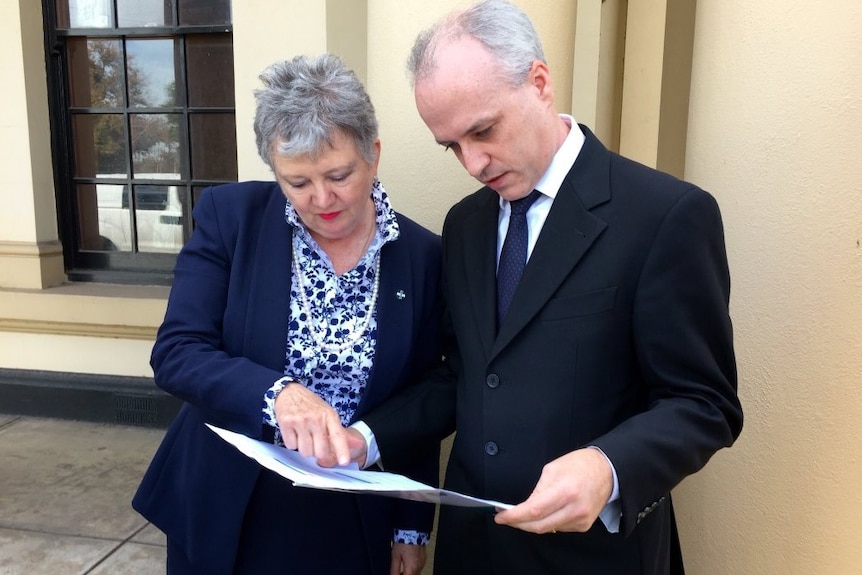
(407, 559)
(311, 426)
(571, 492)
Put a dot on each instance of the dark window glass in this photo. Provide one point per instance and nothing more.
(204, 12)
(100, 145)
(142, 105)
(210, 79)
(213, 139)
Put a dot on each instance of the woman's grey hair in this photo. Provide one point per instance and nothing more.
(305, 101)
(500, 26)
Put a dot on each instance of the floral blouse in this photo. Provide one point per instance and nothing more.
(338, 306)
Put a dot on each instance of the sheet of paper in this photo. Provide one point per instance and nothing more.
(304, 472)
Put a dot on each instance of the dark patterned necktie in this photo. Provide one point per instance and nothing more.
(513, 256)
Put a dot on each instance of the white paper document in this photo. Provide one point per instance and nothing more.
(304, 472)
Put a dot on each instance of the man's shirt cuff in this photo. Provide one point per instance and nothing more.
(372, 452)
(612, 511)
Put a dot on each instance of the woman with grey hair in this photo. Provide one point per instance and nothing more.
(298, 303)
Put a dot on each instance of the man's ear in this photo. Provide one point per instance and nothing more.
(540, 79)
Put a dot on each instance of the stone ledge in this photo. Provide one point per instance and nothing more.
(85, 309)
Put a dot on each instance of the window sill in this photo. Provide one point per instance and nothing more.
(85, 309)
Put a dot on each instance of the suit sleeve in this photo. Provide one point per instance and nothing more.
(423, 414)
(684, 345)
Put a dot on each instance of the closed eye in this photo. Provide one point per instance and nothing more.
(484, 133)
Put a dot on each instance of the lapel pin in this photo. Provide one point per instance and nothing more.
(400, 294)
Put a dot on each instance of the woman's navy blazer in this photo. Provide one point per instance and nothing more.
(223, 344)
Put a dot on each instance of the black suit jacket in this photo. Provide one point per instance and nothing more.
(222, 345)
(617, 337)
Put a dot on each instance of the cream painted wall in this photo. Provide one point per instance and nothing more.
(265, 31)
(422, 179)
(26, 184)
(775, 133)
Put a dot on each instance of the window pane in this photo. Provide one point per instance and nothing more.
(99, 145)
(103, 217)
(156, 146)
(95, 73)
(210, 70)
(152, 80)
(159, 216)
(204, 12)
(84, 14)
(143, 13)
(213, 146)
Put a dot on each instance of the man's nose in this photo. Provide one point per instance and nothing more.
(474, 160)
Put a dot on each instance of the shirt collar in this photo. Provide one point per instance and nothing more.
(551, 181)
(563, 160)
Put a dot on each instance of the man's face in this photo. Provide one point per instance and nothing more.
(504, 137)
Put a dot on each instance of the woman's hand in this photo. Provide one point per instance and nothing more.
(311, 426)
(407, 559)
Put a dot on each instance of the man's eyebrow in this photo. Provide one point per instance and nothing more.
(476, 126)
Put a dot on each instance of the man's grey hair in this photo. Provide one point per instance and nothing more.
(305, 101)
(500, 26)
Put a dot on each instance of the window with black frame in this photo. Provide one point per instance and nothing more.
(143, 119)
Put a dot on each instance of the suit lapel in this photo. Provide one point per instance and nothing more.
(395, 303)
(568, 233)
(269, 288)
(479, 245)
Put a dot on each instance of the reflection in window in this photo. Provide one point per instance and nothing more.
(144, 13)
(96, 73)
(100, 145)
(85, 13)
(105, 222)
(155, 146)
(150, 66)
(159, 218)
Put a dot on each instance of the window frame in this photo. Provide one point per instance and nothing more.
(134, 267)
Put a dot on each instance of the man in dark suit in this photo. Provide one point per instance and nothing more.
(610, 376)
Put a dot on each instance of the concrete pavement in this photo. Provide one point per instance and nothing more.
(65, 493)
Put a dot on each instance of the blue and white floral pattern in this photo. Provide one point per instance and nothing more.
(338, 305)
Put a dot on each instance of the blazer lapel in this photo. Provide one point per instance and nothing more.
(479, 245)
(568, 233)
(269, 288)
(395, 302)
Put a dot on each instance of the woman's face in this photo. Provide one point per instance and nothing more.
(330, 193)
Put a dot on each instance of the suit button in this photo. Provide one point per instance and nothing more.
(493, 381)
(491, 448)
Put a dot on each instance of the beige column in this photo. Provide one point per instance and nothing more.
(658, 54)
(30, 252)
(597, 75)
(265, 32)
(347, 33)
